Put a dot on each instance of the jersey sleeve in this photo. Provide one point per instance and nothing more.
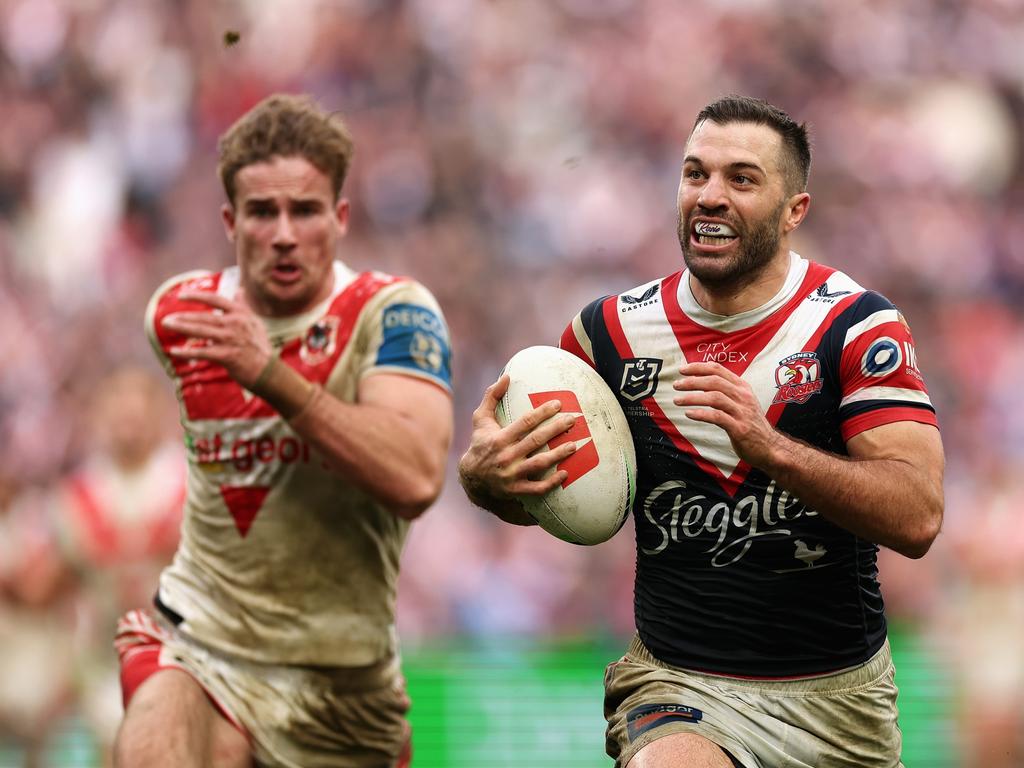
(164, 302)
(577, 337)
(878, 372)
(407, 334)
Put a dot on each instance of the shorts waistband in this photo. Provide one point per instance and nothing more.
(850, 677)
(379, 674)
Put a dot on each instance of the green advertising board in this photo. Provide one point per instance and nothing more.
(541, 706)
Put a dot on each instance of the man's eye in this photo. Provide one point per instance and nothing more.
(262, 212)
(741, 179)
(694, 174)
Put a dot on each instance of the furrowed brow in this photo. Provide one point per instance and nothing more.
(733, 167)
(746, 167)
(257, 202)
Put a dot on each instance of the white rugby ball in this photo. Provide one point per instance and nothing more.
(591, 505)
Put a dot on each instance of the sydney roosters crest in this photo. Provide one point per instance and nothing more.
(797, 378)
(320, 341)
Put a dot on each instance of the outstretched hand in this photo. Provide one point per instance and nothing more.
(712, 393)
(505, 462)
(232, 335)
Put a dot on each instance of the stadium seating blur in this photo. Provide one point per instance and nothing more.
(521, 157)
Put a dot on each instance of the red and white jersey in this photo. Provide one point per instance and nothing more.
(118, 527)
(281, 559)
(735, 575)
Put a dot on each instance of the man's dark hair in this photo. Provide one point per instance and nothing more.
(746, 109)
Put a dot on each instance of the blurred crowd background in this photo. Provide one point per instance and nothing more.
(520, 158)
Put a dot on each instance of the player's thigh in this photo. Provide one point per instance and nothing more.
(681, 749)
(170, 722)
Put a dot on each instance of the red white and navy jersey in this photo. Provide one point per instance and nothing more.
(734, 574)
(281, 559)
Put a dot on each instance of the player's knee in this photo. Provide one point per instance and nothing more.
(130, 751)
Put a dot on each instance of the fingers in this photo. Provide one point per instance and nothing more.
(708, 369)
(708, 398)
(492, 396)
(196, 352)
(713, 394)
(498, 389)
(708, 384)
(533, 476)
(197, 324)
(210, 298)
(539, 487)
(514, 460)
(484, 415)
(529, 421)
(548, 430)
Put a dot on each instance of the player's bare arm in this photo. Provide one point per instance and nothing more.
(888, 491)
(392, 442)
(502, 463)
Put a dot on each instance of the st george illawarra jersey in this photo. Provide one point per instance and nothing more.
(281, 559)
(735, 575)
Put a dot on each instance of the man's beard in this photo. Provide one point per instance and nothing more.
(757, 247)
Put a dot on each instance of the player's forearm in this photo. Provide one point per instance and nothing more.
(888, 501)
(379, 450)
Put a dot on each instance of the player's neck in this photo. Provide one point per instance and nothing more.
(751, 292)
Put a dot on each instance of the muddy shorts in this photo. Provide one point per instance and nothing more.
(845, 719)
(294, 717)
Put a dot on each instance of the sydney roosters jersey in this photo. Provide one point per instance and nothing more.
(281, 559)
(734, 574)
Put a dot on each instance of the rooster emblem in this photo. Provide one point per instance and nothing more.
(807, 555)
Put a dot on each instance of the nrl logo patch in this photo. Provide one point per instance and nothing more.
(797, 378)
(639, 377)
(320, 341)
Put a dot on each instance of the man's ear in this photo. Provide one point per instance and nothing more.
(227, 215)
(796, 211)
(341, 211)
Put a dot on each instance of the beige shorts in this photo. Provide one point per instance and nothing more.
(294, 717)
(841, 720)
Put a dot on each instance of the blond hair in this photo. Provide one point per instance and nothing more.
(285, 125)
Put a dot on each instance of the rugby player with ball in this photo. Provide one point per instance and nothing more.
(782, 432)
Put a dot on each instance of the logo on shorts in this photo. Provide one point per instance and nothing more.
(320, 341)
(797, 378)
(585, 458)
(639, 377)
(650, 716)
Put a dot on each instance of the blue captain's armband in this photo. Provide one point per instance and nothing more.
(415, 338)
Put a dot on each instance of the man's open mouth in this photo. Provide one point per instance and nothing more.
(286, 271)
(713, 233)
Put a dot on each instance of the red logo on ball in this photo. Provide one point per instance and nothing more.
(585, 458)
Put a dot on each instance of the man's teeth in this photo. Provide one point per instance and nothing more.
(714, 230)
